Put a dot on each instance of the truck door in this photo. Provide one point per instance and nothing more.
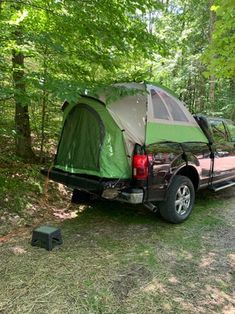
(224, 151)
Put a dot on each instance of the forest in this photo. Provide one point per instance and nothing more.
(52, 51)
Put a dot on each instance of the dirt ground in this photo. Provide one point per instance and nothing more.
(122, 259)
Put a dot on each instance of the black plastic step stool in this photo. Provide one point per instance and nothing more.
(46, 237)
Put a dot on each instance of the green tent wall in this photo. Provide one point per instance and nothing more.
(91, 142)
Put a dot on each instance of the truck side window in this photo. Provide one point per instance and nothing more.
(231, 128)
(218, 131)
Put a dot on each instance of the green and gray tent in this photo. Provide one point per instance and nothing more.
(99, 135)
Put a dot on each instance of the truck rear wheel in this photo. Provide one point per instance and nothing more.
(179, 200)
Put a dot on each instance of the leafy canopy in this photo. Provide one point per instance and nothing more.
(220, 54)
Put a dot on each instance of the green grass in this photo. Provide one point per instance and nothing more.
(118, 259)
(115, 258)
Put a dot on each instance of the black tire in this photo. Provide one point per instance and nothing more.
(80, 197)
(179, 201)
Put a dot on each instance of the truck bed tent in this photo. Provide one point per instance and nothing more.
(99, 135)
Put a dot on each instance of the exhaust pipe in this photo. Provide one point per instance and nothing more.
(151, 207)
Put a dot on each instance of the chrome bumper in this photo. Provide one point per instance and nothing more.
(132, 196)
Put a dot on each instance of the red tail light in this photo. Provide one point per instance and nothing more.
(140, 167)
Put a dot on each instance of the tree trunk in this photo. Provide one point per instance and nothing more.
(212, 92)
(22, 125)
(212, 77)
(202, 93)
(44, 105)
(232, 96)
(44, 100)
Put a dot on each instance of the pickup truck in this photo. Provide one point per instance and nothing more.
(157, 154)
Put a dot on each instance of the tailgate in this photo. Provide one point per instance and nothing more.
(82, 182)
(73, 180)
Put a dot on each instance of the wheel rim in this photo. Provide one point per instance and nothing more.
(183, 200)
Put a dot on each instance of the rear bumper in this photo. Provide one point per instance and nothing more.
(119, 190)
(132, 196)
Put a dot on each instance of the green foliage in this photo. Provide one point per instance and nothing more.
(182, 27)
(220, 55)
(186, 28)
(71, 46)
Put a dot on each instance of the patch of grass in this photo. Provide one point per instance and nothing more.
(110, 263)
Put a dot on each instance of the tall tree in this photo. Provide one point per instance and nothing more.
(22, 125)
(86, 43)
(212, 76)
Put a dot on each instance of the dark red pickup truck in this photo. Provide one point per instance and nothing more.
(144, 147)
(197, 165)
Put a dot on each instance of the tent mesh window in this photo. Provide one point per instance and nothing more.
(81, 144)
(159, 108)
(175, 110)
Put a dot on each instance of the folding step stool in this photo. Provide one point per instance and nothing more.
(46, 237)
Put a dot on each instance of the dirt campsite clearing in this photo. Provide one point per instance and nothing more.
(123, 259)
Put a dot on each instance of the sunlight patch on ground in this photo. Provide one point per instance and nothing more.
(173, 280)
(17, 250)
(232, 259)
(155, 285)
(206, 261)
(217, 297)
(69, 212)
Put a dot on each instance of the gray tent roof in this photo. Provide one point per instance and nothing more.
(139, 104)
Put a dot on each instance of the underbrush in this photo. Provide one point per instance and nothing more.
(22, 188)
(23, 201)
